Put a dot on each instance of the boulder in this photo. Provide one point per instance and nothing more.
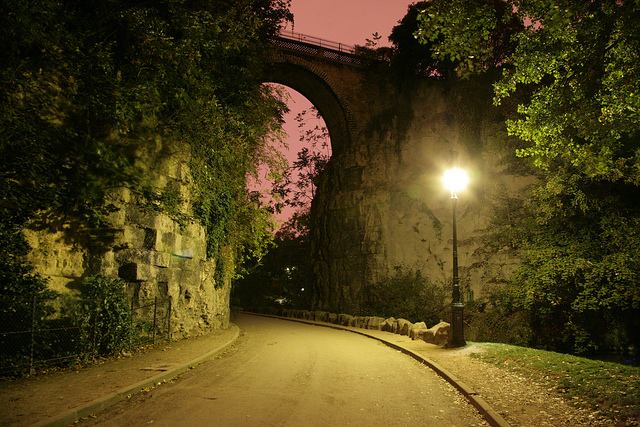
(360, 321)
(438, 334)
(403, 327)
(387, 325)
(344, 319)
(320, 316)
(375, 322)
(418, 333)
(416, 327)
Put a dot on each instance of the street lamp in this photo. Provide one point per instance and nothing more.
(456, 180)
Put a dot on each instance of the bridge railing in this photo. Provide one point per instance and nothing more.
(334, 51)
(317, 41)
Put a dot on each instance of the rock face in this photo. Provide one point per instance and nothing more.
(381, 204)
(153, 253)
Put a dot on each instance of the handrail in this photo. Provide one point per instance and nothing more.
(327, 44)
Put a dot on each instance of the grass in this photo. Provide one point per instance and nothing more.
(612, 389)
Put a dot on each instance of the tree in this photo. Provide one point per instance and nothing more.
(285, 275)
(297, 187)
(568, 80)
(85, 84)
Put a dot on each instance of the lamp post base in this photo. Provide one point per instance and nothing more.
(456, 338)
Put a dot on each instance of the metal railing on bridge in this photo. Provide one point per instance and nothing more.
(331, 50)
(317, 41)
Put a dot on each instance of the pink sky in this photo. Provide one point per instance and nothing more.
(346, 21)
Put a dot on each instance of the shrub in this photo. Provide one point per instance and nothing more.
(407, 294)
(103, 314)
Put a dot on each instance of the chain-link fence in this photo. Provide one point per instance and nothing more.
(29, 345)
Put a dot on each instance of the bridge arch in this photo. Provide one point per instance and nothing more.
(317, 86)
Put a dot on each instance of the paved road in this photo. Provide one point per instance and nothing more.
(283, 373)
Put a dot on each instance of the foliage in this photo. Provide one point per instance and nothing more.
(103, 315)
(412, 57)
(407, 294)
(284, 277)
(575, 64)
(24, 299)
(571, 68)
(497, 319)
(297, 186)
(611, 388)
(87, 85)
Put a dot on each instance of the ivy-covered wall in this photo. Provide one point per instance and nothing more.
(155, 253)
(127, 131)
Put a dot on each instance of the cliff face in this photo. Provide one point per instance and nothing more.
(155, 254)
(381, 203)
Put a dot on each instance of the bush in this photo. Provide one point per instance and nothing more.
(103, 315)
(493, 323)
(24, 300)
(408, 294)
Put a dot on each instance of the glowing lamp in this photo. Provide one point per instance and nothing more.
(455, 180)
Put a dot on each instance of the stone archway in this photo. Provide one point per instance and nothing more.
(380, 204)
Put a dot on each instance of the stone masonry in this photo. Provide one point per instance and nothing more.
(380, 203)
(156, 255)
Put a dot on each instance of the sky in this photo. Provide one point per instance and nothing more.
(347, 21)
(350, 22)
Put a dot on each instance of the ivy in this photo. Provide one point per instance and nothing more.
(86, 85)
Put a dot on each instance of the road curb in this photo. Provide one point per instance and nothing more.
(111, 399)
(489, 414)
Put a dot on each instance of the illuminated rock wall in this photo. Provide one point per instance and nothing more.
(381, 203)
(156, 255)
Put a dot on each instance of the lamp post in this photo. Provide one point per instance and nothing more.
(456, 180)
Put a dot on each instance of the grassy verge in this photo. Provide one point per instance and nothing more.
(610, 388)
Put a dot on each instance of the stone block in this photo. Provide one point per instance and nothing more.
(344, 319)
(133, 237)
(375, 322)
(168, 242)
(320, 316)
(161, 259)
(438, 334)
(387, 325)
(164, 224)
(418, 333)
(403, 327)
(418, 325)
(359, 322)
(135, 272)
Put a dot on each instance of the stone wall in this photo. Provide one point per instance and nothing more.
(381, 203)
(155, 254)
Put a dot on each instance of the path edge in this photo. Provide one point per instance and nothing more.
(483, 407)
(111, 399)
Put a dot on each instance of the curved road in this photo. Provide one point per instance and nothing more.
(282, 373)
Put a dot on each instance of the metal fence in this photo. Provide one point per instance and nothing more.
(151, 321)
(38, 344)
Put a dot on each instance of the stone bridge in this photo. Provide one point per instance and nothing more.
(380, 204)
